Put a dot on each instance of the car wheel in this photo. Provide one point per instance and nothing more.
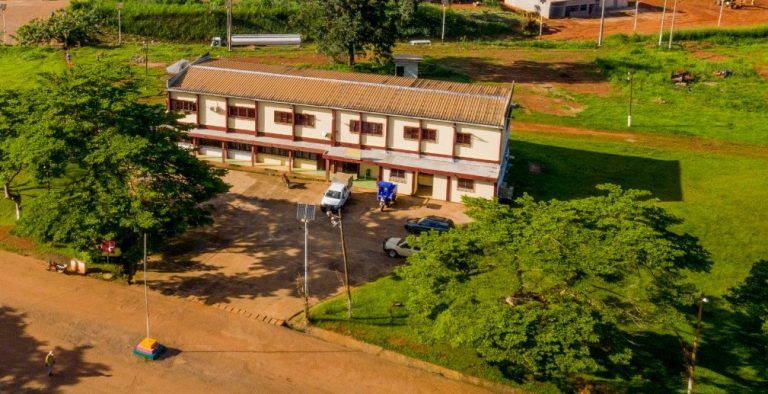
(391, 253)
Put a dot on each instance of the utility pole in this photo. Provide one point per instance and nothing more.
(442, 35)
(692, 364)
(602, 24)
(229, 25)
(146, 58)
(119, 7)
(631, 87)
(541, 24)
(637, 8)
(672, 25)
(663, 15)
(146, 299)
(720, 17)
(3, 6)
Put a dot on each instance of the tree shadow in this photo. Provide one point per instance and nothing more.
(21, 361)
(548, 172)
(524, 71)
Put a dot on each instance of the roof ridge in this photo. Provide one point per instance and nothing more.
(360, 83)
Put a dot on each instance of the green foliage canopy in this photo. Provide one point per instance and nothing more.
(751, 296)
(118, 170)
(545, 289)
(67, 26)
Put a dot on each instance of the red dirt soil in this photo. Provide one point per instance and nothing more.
(19, 12)
(690, 14)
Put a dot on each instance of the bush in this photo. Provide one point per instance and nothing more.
(68, 27)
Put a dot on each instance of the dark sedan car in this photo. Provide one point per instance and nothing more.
(437, 223)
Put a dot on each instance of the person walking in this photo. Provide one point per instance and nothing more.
(49, 361)
(68, 58)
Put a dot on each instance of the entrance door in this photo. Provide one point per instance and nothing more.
(424, 186)
(350, 168)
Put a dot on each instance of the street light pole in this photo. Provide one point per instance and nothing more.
(602, 24)
(637, 8)
(663, 15)
(442, 34)
(692, 364)
(672, 25)
(229, 25)
(338, 220)
(119, 7)
(631, 88)
(541, 24)
(720, 17)
(305, 213)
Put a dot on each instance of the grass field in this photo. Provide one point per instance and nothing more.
(721, 193)
(722, 198)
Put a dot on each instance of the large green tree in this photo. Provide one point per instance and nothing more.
(114, 162)
(345, 29)
(751, 296)
(71, 26)
(547, 289)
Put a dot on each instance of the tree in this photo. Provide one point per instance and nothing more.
(115, 163)
(545, 289)
(751, 296)
(67, 26)
(347, 28)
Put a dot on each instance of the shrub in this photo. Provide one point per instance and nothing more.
(68, 27)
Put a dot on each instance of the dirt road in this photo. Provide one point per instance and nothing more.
(691, 14)
(19, 12)
(91, 326)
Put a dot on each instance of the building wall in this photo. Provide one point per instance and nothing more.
(212, 111)
(238, 154)
(530, 5)
(242, 123)
(267, 119)
(402, 188)
(322, 128)
(395, 135)
(273, 160)
(210, 151)
(444, 141)
(482, 189)
(343, 119)
(439, 183)
(190, 117)
(364, 167)
(485, 143)
(375, 140)
(304, 164)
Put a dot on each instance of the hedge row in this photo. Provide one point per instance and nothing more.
(194, 21)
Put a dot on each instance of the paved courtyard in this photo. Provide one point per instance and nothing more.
(251, 259)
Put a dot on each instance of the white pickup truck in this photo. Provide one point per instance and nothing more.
(337, 195)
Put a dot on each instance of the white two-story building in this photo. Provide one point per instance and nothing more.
(433, 138)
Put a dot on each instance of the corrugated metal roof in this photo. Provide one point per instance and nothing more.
(374, 93)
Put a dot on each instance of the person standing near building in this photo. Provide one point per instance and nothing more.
(49, 361)
(68, 58)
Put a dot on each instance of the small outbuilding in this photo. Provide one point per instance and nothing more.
(565, 9)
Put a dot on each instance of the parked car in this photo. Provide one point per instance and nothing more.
(427, 223)
(398, 247)
(337, 195)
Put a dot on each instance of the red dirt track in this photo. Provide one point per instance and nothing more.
(19, 12)
(690, 14)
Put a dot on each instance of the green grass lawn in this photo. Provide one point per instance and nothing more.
(722, 198)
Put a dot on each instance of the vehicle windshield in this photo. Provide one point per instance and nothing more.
(333, 194)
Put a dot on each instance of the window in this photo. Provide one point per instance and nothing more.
(366, 127)
(238, 146)
(463, 139)
(429, 135)
(305, 155)
(242, 112)
(268, 150)
(182, 105)
(283, 117)
(207, 142)
(466, 185)
(305, 120)
(410, 133)
(397, 176)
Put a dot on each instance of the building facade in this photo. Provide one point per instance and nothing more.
(566, 8)
(436, 139)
